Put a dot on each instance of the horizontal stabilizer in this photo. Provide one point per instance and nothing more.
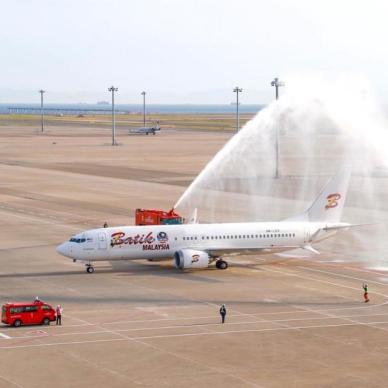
(344, 226)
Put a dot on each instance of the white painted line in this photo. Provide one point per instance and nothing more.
(275, 321)
(343, 275)
(5, 336)
(325, 282)
(191, 335)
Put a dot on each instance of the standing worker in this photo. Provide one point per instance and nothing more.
(365, 287)
(59, 310)
(223, 313)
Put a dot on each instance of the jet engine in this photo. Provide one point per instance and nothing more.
(190, 258)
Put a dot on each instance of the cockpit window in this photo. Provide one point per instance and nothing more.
(77, 240)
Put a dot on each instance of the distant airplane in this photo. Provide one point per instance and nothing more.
(146, 130)
(197, 245)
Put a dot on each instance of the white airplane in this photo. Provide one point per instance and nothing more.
(146, 130)
(197, 245)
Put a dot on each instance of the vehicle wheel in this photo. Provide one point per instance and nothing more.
(90, 269)
(17, 323)
(46, 321)
(221, 264)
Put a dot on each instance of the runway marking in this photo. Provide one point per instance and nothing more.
(5, 336)
(11, 382)
(321, 281)
(344, 276)
(45, 334)
(180, 356)
(193, 334)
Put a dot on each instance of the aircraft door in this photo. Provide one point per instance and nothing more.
(102, 244)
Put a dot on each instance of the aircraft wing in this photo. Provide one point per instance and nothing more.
(236, 252)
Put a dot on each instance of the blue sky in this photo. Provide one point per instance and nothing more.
(187, 51)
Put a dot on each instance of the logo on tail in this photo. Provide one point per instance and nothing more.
(332, 200)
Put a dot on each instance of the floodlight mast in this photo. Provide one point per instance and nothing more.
(277, 84)
(41, 109)
(237, 90)
(112, 89)
(144, 115)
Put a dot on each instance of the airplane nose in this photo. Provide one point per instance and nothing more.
(63, 249)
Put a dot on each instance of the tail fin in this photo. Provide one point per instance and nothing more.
(329, 204)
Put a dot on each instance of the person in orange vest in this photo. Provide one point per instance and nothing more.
(366, 297)
(58, 311)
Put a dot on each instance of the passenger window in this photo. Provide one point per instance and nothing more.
(31, 308)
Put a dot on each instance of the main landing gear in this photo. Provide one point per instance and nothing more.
(89, 268)
(221, 264)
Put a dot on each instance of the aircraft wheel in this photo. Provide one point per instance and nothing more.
(89, 269)
(222, 264)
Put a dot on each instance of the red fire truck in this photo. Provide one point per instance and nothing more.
(157, 217)
(29, 313)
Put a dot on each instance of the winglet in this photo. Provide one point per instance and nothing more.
(310, 249)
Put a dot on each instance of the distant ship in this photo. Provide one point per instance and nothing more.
(102, 102)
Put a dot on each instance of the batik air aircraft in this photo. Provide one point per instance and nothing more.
(196, 245)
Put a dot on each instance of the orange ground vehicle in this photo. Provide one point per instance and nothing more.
(157, 217)
(35, 313)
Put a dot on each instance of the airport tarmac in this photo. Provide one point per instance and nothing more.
(292, 321)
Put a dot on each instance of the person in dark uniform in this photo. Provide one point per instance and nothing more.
(366, 297)
(223, 313)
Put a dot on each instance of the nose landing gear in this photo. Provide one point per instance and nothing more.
(89, 268)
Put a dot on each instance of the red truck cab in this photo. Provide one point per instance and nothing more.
(30, 313)
(157, 217)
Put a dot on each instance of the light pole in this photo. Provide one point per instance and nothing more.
(277, 84)
(113, 90)
(41, 91)
(143, 94)
(237, 90)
